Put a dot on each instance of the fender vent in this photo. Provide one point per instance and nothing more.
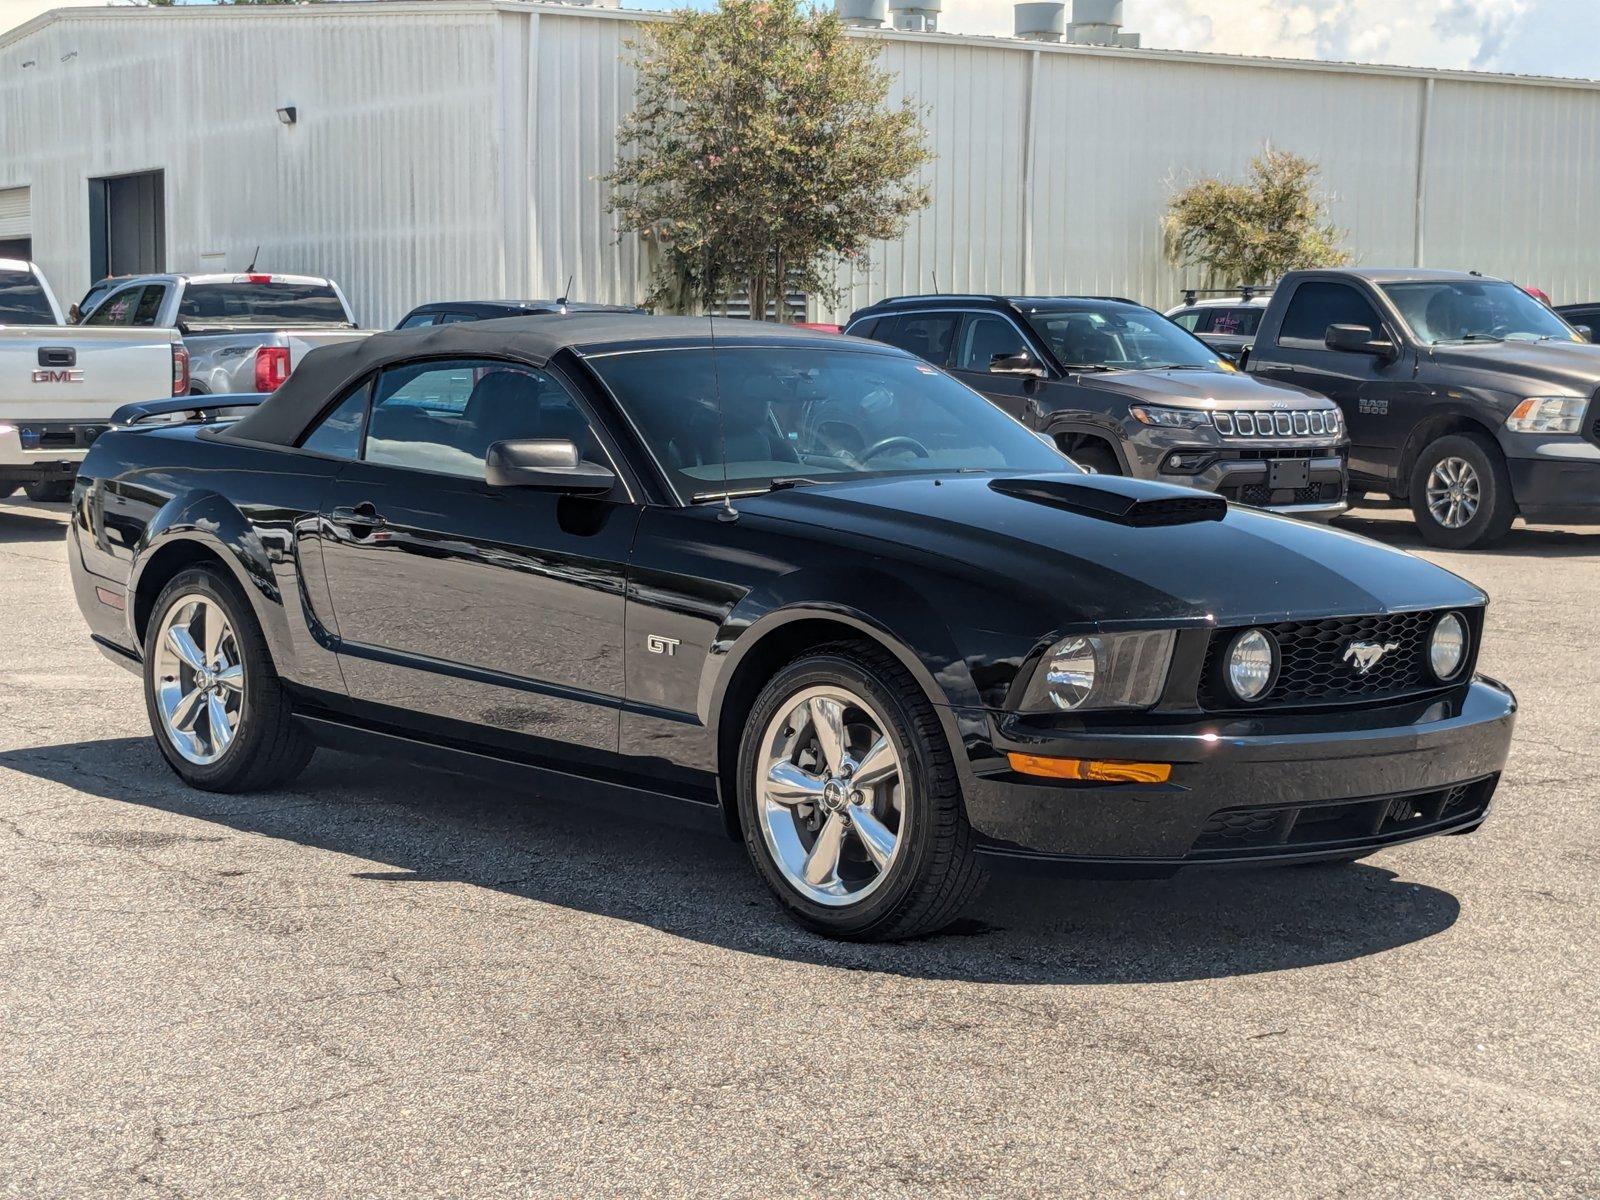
(1111, 499)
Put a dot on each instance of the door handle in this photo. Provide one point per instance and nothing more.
(362, 514)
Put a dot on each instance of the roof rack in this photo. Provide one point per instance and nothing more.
(1245, 291)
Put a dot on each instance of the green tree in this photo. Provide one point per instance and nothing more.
(1253, 232)
(762, 153)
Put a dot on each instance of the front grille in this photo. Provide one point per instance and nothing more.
(1299, 423)
(1268, 453)
(1242, 832)
(1260, 495)
(1313, 667)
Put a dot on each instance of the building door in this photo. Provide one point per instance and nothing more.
(16, 224)
(128, 225)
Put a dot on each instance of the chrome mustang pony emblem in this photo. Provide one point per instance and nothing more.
(1365, 655)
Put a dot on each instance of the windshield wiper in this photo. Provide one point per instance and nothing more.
(1470, 337)
(791, 481)
(1176, 367)
(1091, 367)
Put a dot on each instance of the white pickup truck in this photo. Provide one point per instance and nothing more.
(59, 384)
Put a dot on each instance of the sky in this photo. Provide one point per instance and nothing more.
(1525, 37)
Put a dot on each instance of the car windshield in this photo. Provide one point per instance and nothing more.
(1471, 311)
(746, 419)
(245, 303)
(22, 300)
(1119, 337)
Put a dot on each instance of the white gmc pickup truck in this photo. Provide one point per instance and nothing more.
(59, 384)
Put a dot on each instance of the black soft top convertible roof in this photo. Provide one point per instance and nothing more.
(535, 340)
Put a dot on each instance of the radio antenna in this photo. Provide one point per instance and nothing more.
(729, 513)
(935, 275)
(566, 291)
(250, 270)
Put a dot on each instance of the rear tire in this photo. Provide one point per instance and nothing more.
(901, 851)
(227, 726)
(6, 489)
(1461, 492)
(51, 492)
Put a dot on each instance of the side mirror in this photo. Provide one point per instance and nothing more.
(1585, 331)
(1357, 339)
(1015, 364)
(546, 465)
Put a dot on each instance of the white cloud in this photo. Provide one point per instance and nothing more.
(1523, 36)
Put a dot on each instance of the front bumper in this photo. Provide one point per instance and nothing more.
(1562, 485)
(1263, 787)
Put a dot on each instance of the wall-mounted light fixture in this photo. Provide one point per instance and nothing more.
(288, 115)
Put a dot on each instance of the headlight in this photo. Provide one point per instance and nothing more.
(1169, 418)
(1548, 414)
(1447, 647)
(1252, 664)
(1102, 670)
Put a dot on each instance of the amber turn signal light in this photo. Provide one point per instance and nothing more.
(1092, 770)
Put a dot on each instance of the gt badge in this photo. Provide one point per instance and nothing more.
(1365, 655)
(657, 644)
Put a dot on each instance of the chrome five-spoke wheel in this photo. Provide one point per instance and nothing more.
(831, 795)
(1454, 492)
(199, 679)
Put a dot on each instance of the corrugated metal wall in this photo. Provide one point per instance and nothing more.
(386, 182)
(455, 149)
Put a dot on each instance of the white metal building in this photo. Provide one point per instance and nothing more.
(452, 148)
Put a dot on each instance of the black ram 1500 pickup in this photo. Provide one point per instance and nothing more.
(1462, 394)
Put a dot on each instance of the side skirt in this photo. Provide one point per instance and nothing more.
(544, 781)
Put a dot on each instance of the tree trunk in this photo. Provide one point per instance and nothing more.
(780, 282)
(758, 296)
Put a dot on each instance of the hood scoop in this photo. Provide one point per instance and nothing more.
(1122, 501)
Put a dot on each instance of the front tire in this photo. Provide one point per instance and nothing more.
(850, 801)
(1097, 458)
(1461, 492)
(217, 708)
(51, 492)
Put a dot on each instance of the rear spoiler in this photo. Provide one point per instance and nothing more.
(178, 410)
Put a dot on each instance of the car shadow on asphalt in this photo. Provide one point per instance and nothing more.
(413, 826)
(19, 526)
(1521, 542)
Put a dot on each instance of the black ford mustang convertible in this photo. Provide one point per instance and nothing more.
(809, 586)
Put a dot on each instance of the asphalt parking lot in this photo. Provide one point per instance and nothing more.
(384, 982)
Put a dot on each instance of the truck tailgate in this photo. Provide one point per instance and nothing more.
(78, 372)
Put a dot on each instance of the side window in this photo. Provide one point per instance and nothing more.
(418, 320)
(443, 415)
(865, 328)
(1315, 306)
(339, 432)
(1188, 320)
(927, 335)
(986, 338)
(145, 312)
(450, 318)
(118, 308)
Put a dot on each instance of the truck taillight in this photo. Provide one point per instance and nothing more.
(180, 369)
(272, 367)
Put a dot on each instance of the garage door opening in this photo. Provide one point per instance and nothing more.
(16, 223)
(128, 224)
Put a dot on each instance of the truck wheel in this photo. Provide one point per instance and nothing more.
(218, 710)
(1096, 457)
(51, 492)
(1461, 492)
(850, 802)
(6, 489)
